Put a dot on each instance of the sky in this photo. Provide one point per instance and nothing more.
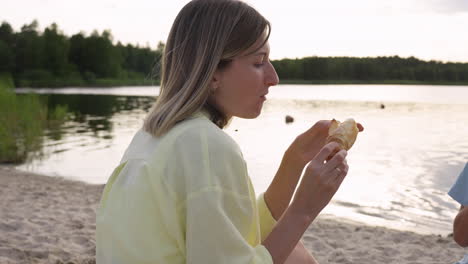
(426, 29)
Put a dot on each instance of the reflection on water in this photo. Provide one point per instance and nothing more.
(401, 166)
(92, 113)
(91, 142)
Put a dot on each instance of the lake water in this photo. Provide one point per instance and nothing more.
(401, 166)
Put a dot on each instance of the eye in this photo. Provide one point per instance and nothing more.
(258, 65)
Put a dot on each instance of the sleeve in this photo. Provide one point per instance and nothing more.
(459, 191)
(221, 219)
(216, 229)
(267, 222)
(130, 225)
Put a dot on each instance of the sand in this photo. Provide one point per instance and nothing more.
(46, 219)
(52, 220)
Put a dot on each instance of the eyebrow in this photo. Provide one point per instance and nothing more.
(260, 53)
(264, 54)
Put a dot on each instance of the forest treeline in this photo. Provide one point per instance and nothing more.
(371, 70)
(52, 59)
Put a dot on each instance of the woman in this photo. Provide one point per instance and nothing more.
(181, 193)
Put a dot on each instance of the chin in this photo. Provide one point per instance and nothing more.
(250, 115)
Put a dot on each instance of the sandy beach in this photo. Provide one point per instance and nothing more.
(52, 220)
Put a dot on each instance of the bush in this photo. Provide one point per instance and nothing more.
(22, 121)
(6, 81)
(35, 78)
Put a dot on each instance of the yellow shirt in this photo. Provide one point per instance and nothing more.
(185, 197)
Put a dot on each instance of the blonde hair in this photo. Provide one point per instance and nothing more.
(206, 36)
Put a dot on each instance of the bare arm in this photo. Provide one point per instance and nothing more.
(304, 148)
(319, 184)
(460, 227)
(300, 152)
(280, 192)
(300, 255)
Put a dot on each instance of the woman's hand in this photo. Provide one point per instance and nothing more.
(319, 183)
(306, 146)
(321, 180)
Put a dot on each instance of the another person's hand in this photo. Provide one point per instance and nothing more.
(460, 227)
(321, 180)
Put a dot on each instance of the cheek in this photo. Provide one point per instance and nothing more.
(225, 96)
(242, 85)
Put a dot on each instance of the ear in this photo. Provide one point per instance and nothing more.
(216, 81)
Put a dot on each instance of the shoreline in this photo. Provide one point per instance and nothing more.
(116, 84)
(371, 82)
(47, 219)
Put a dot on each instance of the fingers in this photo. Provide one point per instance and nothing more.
(327, 151)
(337, 162)
(337, 175)
(321, 126)
(339, 179)
(324, 124)
(343, 167)
(360, 127)
(332, 154)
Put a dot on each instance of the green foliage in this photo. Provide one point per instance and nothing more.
(22, 122)
(6, 82)
(23, 119)
(59, 114)
(28, 49)
(56, 49)
(6, 57)
(51, 59)
(55, 120)
(370, 70)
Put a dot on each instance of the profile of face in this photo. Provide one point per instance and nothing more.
(241, 87)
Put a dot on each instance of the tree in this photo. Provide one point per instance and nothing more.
(56, 49)
(101, 57)
(7, 34)
(6, 57)
(76, 52)
(29, 48)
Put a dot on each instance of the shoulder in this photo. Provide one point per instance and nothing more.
(193, 134)
(198, 155)
(200, 133)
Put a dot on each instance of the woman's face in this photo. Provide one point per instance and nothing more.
(241, 87)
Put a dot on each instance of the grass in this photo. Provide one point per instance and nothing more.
(23, 120)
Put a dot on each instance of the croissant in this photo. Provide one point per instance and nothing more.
(344, 134)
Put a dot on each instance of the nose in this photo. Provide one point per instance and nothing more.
(271, 78)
